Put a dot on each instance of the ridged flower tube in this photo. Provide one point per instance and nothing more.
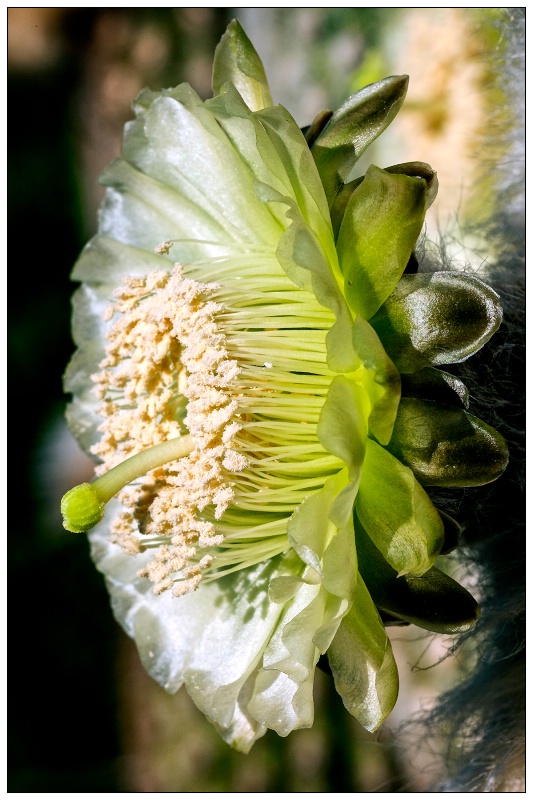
(254, 373)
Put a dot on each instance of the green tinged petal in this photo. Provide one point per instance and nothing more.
(439, 318)
(315, 606)
(415, 169)
(311, 529)
(355, 125)
(274, 149)
(343, 425)
(380, 378)
(287, 182)
(397, 514)
(283, 692)
(362, 663)
(379, 230)
(297, 162)
(236, 61)
(180, 146)
(433, 601)
(306, 250)
(447, 446)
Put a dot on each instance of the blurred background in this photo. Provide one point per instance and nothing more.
(84, 717)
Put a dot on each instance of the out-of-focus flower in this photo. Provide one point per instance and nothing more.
(245, 313)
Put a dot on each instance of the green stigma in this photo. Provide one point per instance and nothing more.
(83, 506)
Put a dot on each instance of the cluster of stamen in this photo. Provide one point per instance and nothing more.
(243, 371)
(166, 369)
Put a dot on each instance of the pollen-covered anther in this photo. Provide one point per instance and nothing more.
(174, 566)
(210, 540)
(163, 248)
(211, 421)
(186, 586)
(121, 534)
(222, 499)
(234, 462)
(197, 569)
(230, 432)
(162, 586)
(167, 356)
(168, 561)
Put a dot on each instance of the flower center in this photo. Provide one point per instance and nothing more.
(239, 366)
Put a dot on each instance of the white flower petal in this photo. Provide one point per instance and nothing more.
(283, 694)
(105, 259)
(88, 326)
(171, 144)
(211, 640)
(144, 212)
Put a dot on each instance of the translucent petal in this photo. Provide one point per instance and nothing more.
(105, 258)
(343, 424)
(185, 150)
(143, 212)
(273, 147)
(236, 61)
(380, 378)
(211, 640)
(313, 529)
(89, 304)
(397, 514)
(283, 692)
(362, 663)
(293, 152)
(379, 230)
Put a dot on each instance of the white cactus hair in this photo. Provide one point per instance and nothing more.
(482, 720)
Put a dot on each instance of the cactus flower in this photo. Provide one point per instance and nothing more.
(258, 375)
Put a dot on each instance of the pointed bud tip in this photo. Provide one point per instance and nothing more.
(399, 81)
(81, 508)
(393, 88)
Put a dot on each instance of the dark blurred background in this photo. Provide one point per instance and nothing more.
(83, 715)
